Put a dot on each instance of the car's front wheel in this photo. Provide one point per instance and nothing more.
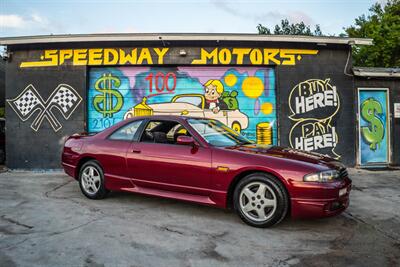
(261, 200)
(91, 180)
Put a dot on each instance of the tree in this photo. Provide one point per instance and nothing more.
(287, 28)
(383, 26)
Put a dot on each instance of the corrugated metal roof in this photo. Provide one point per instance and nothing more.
(376, 72)
(112, 37)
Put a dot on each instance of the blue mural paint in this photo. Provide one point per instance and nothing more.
(373, 130)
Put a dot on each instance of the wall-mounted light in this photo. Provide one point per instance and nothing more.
(351, 42)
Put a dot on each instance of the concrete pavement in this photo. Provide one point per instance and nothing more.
(46, 221)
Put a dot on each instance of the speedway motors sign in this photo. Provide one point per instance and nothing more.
(165, 55)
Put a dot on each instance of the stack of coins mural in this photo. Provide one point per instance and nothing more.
(264, 133)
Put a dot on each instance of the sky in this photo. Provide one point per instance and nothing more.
(38, 17)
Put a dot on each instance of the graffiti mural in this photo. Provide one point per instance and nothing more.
(373, 126)
(241, 97)
(313, 104)
(64, 98)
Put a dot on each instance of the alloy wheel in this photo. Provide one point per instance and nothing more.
(258, 201)
(91, 180)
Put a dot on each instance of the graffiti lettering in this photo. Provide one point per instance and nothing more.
(318, 100)
(314, 104)
(315, 140)
(150, 56)
(313, 99)
(256, 56)
(99, 56)
(164, 80)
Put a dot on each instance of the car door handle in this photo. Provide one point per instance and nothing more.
(136, 151)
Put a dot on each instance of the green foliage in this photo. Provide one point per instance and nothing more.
(287, 28)
(383, 26)
(1, 112)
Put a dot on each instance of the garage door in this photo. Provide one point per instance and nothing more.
(241, 97)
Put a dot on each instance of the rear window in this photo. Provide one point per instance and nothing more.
(126, 132)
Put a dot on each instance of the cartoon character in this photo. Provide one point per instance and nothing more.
(213, 90)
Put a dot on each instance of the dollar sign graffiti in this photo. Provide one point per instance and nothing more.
(373, 133)
(110, 100)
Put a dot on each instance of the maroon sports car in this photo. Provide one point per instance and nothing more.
(204, 161)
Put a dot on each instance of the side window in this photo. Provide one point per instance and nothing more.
(127, 132)
(163, 132)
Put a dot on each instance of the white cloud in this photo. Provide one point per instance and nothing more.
(11, 21)
(14, 21)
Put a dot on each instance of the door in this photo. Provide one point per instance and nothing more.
(111, 151)
(157, 161)
(373, 127)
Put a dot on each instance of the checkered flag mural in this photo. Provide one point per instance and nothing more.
(64, 98)
(26, 102)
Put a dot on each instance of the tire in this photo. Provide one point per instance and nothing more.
(260, 209)
(91, 180)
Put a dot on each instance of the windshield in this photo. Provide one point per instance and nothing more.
(218, 134)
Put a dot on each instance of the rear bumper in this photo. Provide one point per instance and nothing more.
(69, 169)
(332, 205)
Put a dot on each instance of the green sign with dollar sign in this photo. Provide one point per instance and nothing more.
(109, 101)
(374, 132)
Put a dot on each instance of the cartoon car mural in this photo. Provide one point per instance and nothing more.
(191, 105)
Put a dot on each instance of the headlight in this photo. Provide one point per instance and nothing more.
(322, 177)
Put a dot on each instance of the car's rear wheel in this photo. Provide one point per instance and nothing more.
(261, 200)
(91, 180)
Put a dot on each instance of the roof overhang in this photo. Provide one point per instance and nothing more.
(139, 37)
(376, 72)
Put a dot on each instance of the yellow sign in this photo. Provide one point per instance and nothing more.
(156, 56)
(256, 56)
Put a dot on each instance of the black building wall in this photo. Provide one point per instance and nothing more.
(40, 149)
(329, 67)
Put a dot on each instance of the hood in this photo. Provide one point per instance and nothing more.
(290, 153)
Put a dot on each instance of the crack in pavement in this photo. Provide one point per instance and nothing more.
(52, 233)
(56, 188)
(15, 222)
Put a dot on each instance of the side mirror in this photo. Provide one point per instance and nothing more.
(185, 140)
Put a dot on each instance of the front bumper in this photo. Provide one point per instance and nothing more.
(316, 200)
